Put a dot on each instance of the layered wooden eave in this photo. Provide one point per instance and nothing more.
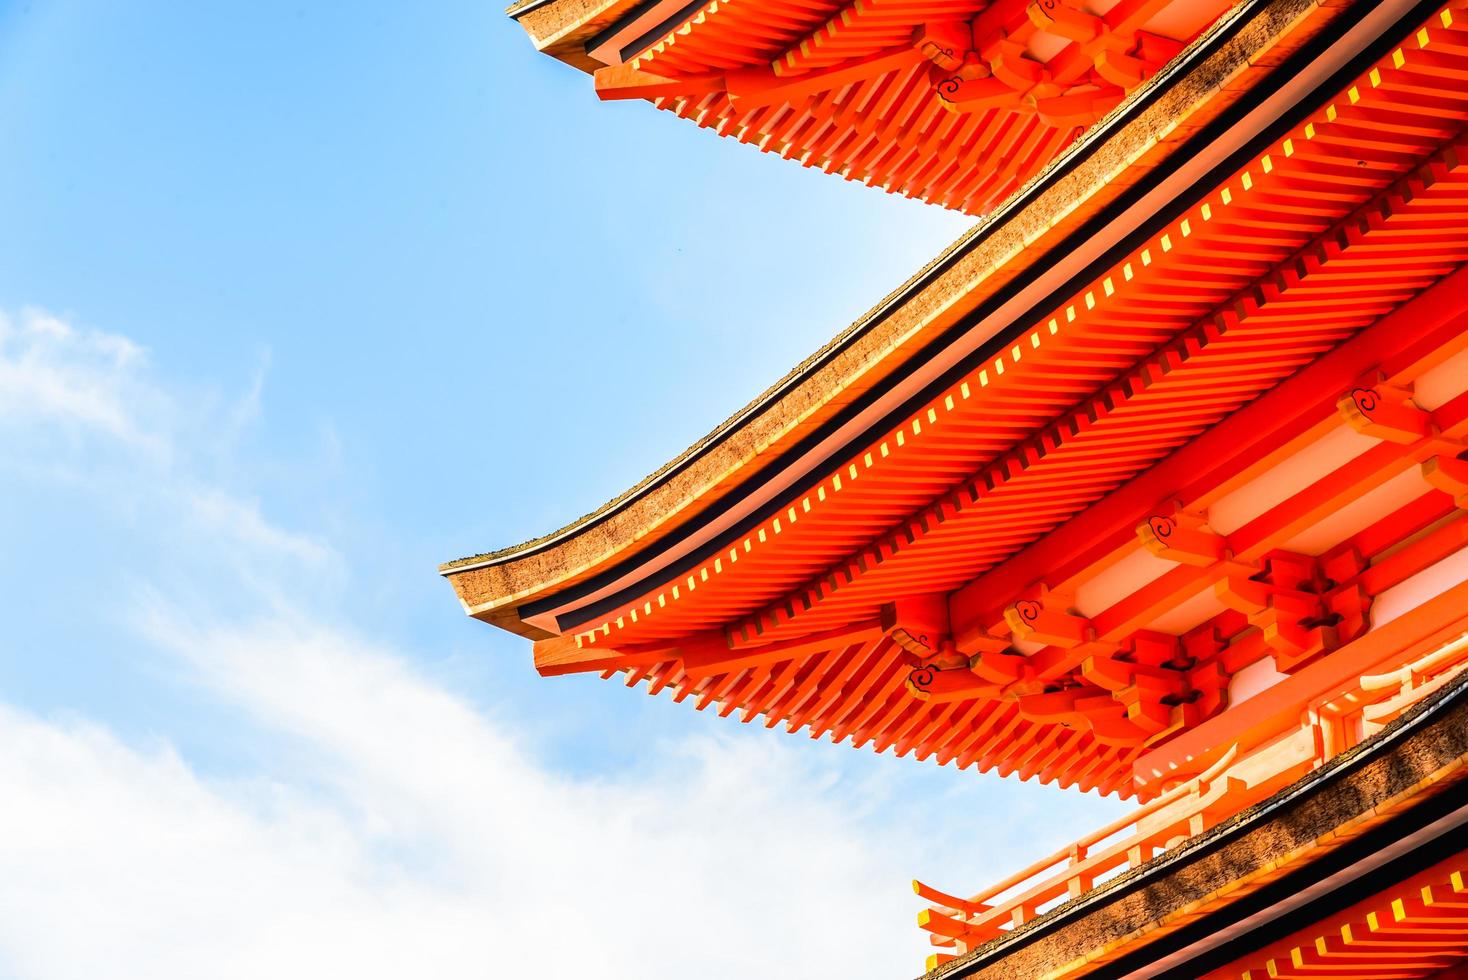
(955, 102)
(1061, 554)
(1414, 929)
(965, 297)
(1354, 870)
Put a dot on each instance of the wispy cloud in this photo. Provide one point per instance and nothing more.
(410, 833)
(55, 375)
(81, 405)
(415, 836)
(241, 519)
(391, 828)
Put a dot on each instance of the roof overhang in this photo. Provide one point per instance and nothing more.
(1105, 192)
(927, 538)
(957, 102)
(1379, 814)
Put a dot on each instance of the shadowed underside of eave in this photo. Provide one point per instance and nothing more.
(1318, 262)
(956, 102)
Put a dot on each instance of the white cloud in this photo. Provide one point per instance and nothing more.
(54, 374)
(80, 406)
(414, 836)
(390, 828)
(241, 519)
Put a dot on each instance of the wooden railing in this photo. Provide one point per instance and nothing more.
(967, 922)
(1228, 786)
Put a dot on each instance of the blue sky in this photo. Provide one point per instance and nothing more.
(299, 301)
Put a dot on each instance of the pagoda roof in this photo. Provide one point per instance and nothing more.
(1071, 208)
(1376, 827)
(955, 102)
(1211, 307)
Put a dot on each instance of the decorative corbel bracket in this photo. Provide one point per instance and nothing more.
(1450, 475)
(1048, 620)
(1385, 412)
(1183, 537)
(1296, 603)
(946, 43)
(919, 624)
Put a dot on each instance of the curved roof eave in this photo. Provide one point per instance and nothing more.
(1077, 186)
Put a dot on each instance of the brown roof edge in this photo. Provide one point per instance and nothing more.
(1210, 77)
(561, 28)
(1419, 756)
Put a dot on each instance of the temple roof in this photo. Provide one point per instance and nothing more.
(1331, 878)
(1059, 212)
(956, 102)
(1021, 517)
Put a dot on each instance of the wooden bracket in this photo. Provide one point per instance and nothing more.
(1296, 603)
(1385, 412)
(1012, 672)
(919, 624)
(1048, 620)
(945, 44)
(1064, 20)
(1450, 475)
(1158, 682)
(937, 685)
(1183, 537)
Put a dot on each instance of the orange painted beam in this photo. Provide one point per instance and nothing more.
(1435, 320)
(751, 88)
(562, 655)
(1279, 707)
(718, 657)
(626, 82)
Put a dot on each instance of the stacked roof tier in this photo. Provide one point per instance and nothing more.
(955, 102)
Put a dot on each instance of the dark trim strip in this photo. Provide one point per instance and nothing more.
(647, 40)
(1287, 70)
(520, 10)
(1399, 869)
(1435, 709)
(631, 50)
(990, 224)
